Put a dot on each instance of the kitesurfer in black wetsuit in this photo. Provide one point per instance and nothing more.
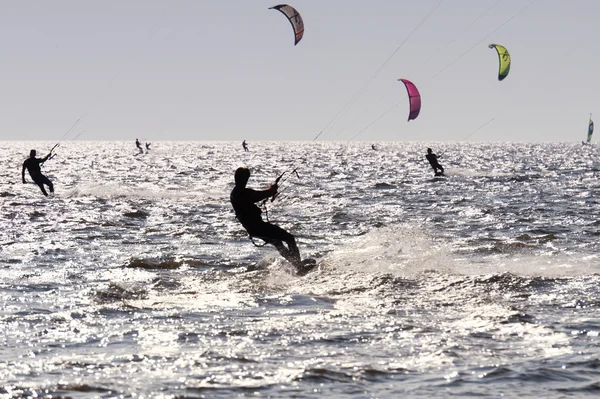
(32, 164)
(243, 200)
(245, 146)
(433, 161)
(139, 146)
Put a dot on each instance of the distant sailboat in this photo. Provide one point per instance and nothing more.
(590, 131)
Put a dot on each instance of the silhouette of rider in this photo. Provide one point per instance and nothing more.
(245, 145)
(139, 146)
(148, 147)
(32, 164)
(433, 161)
(243, 200)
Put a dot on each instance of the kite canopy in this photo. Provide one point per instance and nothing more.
(413, 97)
(504, 59)
(295, 19)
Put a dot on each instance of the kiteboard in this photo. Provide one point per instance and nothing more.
(439, 176)
(308, 265)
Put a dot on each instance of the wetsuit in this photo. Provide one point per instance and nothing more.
(32, 165)
(139, 146)
(432, 158)
(249, 215)
(245, 145)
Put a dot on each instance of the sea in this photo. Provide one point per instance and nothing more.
(135, 280)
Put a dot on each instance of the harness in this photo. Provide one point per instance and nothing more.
(263, 207)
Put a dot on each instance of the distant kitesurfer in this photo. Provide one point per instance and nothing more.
(139, 146)
(245, 146)
(243, 200)
(433, 161)
(148, 147)
(32, 164)
(373, 147)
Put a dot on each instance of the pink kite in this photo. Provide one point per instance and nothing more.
(413, 97)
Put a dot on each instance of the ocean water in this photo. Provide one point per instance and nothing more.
(135, 279)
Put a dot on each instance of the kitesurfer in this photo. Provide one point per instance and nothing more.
(139, 146)
(373, 147)
(243, 200)
(245, 146)
(32, 164)
(148, 147)
(433, 161)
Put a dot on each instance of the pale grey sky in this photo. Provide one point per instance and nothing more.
(228, 70)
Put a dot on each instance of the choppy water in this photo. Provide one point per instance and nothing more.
(136, 280)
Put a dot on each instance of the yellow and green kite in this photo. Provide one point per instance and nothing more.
(504, 58)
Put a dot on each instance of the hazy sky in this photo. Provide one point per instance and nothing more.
(229, 70)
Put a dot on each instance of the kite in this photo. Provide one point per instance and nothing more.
(504, 59)
(295, 19)
(590, 130)
(413, 97)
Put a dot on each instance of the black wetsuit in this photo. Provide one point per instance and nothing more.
(243, 201)
(432, 158)
(245, 145)
(32, 165)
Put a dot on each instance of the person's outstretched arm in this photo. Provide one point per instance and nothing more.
(263, 194)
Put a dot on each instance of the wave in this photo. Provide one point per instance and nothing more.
(112, 191)
(116, 292)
